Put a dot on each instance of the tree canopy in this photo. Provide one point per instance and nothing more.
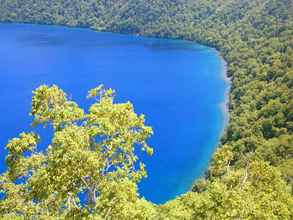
(90, 157)
(250, 175)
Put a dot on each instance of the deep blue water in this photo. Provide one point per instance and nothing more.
(178, 85)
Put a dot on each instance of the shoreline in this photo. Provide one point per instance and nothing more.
(224, 105)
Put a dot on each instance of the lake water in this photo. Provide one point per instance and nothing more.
(178, 85)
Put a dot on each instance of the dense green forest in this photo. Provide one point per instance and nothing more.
(250, 175)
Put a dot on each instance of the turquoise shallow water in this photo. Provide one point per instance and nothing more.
(178, 85)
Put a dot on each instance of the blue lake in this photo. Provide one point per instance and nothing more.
(178, 85)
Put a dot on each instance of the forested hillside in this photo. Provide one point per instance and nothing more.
(250, 175)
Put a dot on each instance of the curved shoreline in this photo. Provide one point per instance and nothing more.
(224, 105)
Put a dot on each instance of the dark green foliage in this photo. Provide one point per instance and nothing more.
(251, 174)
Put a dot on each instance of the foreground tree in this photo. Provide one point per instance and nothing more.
(89, 169)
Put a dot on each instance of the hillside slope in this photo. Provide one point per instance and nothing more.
(250, 176)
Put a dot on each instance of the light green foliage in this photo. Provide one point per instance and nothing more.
(256, 192)
(50, 105)
(250, 176)
(90, 153)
